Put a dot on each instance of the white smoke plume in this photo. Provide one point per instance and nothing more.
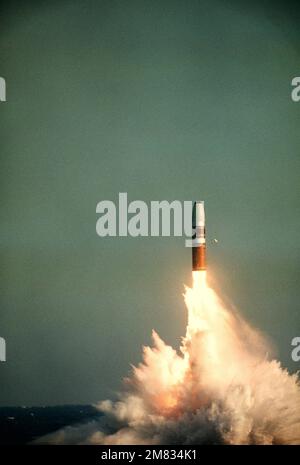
(220, 388)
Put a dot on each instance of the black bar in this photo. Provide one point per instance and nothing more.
(135, 454)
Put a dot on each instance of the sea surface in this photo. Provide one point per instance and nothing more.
(21, 425)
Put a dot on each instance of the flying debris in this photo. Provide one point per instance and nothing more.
(198, 219)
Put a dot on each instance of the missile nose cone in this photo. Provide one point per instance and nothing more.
(198, 213)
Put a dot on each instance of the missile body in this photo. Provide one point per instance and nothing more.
(199, 261)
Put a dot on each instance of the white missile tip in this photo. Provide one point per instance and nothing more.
(200, 214)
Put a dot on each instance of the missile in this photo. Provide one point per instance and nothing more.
(198, 249)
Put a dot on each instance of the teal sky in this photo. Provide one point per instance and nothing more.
(164, 100)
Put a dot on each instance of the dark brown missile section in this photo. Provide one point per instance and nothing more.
(199, 258)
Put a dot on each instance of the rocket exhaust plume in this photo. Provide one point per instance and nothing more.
(220, 388)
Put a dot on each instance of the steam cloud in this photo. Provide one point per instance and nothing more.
(220, 388)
